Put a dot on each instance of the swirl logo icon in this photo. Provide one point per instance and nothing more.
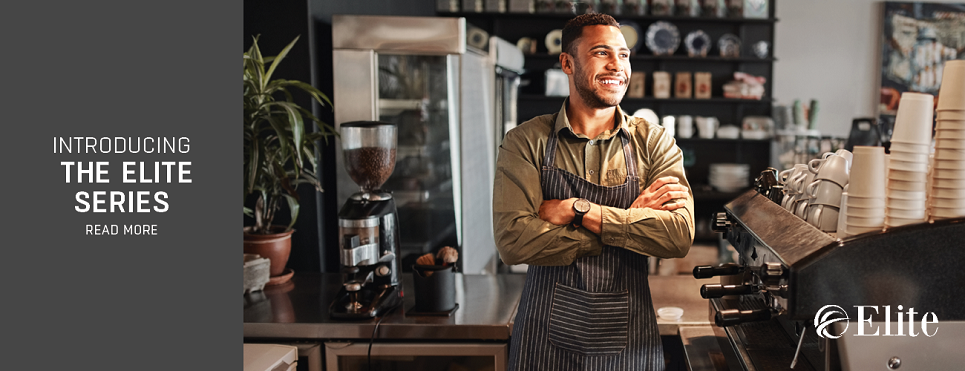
(827, 315)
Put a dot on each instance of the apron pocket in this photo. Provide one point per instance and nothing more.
(589, 323)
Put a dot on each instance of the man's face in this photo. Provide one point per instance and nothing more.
(601, 66)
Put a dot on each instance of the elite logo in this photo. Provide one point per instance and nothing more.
(828, 315)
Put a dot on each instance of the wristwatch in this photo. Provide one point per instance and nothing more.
(581, 207)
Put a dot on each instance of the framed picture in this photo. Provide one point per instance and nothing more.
(917, 40)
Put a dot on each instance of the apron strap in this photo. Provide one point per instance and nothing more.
(549, 155)
(628, 153)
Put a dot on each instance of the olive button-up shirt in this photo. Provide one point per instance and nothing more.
(522, 237)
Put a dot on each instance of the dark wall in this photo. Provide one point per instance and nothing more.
(314, 244)
(278, 23)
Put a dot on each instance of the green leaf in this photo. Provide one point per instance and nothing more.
(279, 57)
(293, 208)
(297, 128)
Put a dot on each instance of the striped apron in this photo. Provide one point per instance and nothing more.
(594, 314)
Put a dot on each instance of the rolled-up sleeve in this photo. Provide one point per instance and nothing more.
(521, 236)
(659, 233)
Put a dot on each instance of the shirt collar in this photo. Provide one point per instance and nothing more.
(564, 123)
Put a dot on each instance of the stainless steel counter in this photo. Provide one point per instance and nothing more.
(299, 310)
(487, 306)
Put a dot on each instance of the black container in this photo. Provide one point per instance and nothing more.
(435, 293)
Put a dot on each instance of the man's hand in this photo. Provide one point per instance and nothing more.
(659, 194)
(558, 212)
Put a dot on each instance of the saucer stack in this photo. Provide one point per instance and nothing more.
(730, 177)
(947, 195)
(908, 162)
(863, 209)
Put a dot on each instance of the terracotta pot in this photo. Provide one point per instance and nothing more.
(275, 247)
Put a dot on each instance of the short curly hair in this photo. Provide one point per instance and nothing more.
(574, 28)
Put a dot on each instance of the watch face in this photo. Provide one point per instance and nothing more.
(582, 205)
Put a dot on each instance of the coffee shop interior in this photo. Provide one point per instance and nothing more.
(823, 142)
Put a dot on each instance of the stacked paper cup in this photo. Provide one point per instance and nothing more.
(948, 175)
(908, 163)
(865, 202)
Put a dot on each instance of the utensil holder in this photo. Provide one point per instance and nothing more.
(435, 292)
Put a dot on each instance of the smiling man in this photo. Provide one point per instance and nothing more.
(585, 196)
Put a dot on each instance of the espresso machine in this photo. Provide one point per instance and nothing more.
(799, 298)
(368, 225)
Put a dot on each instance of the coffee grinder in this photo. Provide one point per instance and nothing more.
(368, 225)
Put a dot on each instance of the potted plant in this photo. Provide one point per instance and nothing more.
(279, 153)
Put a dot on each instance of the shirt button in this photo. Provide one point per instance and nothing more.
(591, 142)
(591, 172)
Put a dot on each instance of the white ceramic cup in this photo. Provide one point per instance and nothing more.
(846, 154)
(913, 122)
(867, 178)
(834, 168)
(952, 94)
(685, 126)
(801, 208)
(824, 192)
(706, 126)
(823, 217)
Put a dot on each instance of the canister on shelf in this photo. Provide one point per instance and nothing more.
(683, 85)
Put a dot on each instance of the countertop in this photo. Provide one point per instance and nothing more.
(487, 306)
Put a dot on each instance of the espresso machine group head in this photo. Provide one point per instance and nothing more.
(368, 225)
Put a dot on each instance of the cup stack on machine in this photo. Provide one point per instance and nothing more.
(947, 192)
(908, 162)
(920, 180)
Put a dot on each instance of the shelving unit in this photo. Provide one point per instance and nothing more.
(698, 153)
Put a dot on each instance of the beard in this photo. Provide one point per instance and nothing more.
(594, 99)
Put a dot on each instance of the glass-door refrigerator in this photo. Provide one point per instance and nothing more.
(418, 73)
